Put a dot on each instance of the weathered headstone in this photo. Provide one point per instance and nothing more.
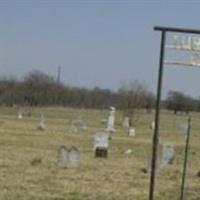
(101, 143)
(131, 132)
(111, 120)
(129, 151)
(83, 124)
(126, 122)
(41, 126)
(167, 154)
(20, 115)
(183, 129)
(152, 125)
(68, 156)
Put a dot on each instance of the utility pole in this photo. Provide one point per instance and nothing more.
(58, 75)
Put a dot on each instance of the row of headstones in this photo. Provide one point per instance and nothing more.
(168, 156)
(70, 156)
(101, 144)
(168, 152)
(75, 124)
(126, 124)
(41, 126)
(110, 123)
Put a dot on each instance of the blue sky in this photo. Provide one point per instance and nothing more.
(97, 43)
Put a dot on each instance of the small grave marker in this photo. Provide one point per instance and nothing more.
(131, 132)
(20, 115)
(126, 122)
(111, 120)
(68, 156)
(152, 125)
(168, 154)
(83, 124)
(101, 143)
(129, 151)
(183, 129)
(41, 126)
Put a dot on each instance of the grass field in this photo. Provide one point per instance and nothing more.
(119, 177)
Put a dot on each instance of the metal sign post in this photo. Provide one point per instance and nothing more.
(185, 158)
(157, 113)
(192, 47)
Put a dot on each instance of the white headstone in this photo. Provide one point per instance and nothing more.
(83, 124)
(101, 139)
(20, 116)
(152, 125)
(111, 120)
(128, 151)
(168, 154)
(131, 132)
(126, 122)
(183, 128)
(101, 143)
(68, 156)
(41, 126)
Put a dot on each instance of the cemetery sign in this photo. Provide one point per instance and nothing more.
(189, 44)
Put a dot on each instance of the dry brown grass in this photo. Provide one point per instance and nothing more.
(28, 169)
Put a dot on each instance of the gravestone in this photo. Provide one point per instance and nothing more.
(129, 151)
(183, 129)
(78, 124)
(167, 154)
(68, 156)
(111, 120)
(83, 124)
(41, 126)
(126, 122)
(20, 115)
(152, 126)
(101, 143)
(131, 132)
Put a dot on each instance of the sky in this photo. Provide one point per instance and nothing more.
(96, 42)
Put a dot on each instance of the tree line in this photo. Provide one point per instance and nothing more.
(39, 89)
(180, 102)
